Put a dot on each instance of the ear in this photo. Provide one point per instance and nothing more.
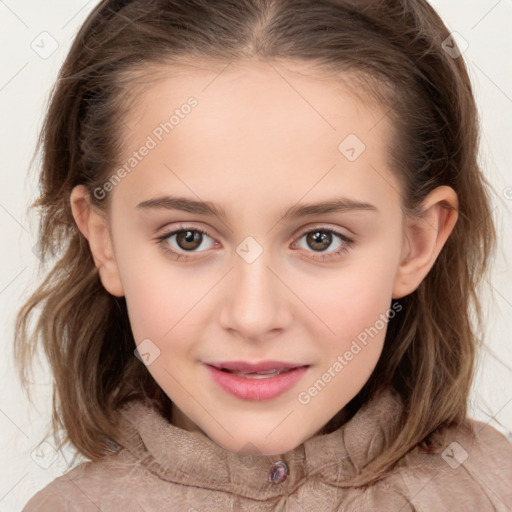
(424, 238)
(93, 224)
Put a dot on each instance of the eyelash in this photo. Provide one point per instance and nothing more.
(347, 242)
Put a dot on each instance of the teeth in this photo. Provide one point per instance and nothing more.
(258, 375)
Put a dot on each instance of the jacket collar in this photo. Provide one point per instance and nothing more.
(191, 458)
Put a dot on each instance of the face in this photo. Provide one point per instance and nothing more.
(258, 274)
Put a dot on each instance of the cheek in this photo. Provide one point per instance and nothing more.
(164, 302)
(352, 299)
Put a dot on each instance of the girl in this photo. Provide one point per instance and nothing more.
(273, 228)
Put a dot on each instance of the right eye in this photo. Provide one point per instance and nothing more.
(188, 239)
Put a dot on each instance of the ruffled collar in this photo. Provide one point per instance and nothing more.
(191, 458)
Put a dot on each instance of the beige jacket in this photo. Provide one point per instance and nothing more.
(166, 468)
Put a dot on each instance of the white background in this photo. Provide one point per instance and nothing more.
(25, 82)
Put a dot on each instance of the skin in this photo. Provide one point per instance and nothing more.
(258, 143)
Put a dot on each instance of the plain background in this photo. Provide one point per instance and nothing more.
(34, 39)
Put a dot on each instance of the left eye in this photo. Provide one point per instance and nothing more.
(320, 239)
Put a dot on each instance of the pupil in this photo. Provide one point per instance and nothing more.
(189, 239)
(321, 238)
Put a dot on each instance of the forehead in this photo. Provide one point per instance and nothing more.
(280, 90)
(254, 125)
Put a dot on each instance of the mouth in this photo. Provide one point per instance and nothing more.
(260, 381)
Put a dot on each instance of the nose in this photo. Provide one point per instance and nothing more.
(257, 303)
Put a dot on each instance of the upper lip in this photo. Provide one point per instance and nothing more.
(244, 366)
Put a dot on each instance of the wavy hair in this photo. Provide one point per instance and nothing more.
(397, 50)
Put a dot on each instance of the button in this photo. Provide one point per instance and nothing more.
(278, 473)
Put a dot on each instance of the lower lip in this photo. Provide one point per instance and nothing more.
(257, 389)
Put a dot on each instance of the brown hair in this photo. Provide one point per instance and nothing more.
(396, 48)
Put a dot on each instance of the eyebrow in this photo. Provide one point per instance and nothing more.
(297, 211)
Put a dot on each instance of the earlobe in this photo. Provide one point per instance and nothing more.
(424, 239)
(93, 225)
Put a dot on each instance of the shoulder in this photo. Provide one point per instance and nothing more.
(470, 470)
(62, 494)
(90, 486)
